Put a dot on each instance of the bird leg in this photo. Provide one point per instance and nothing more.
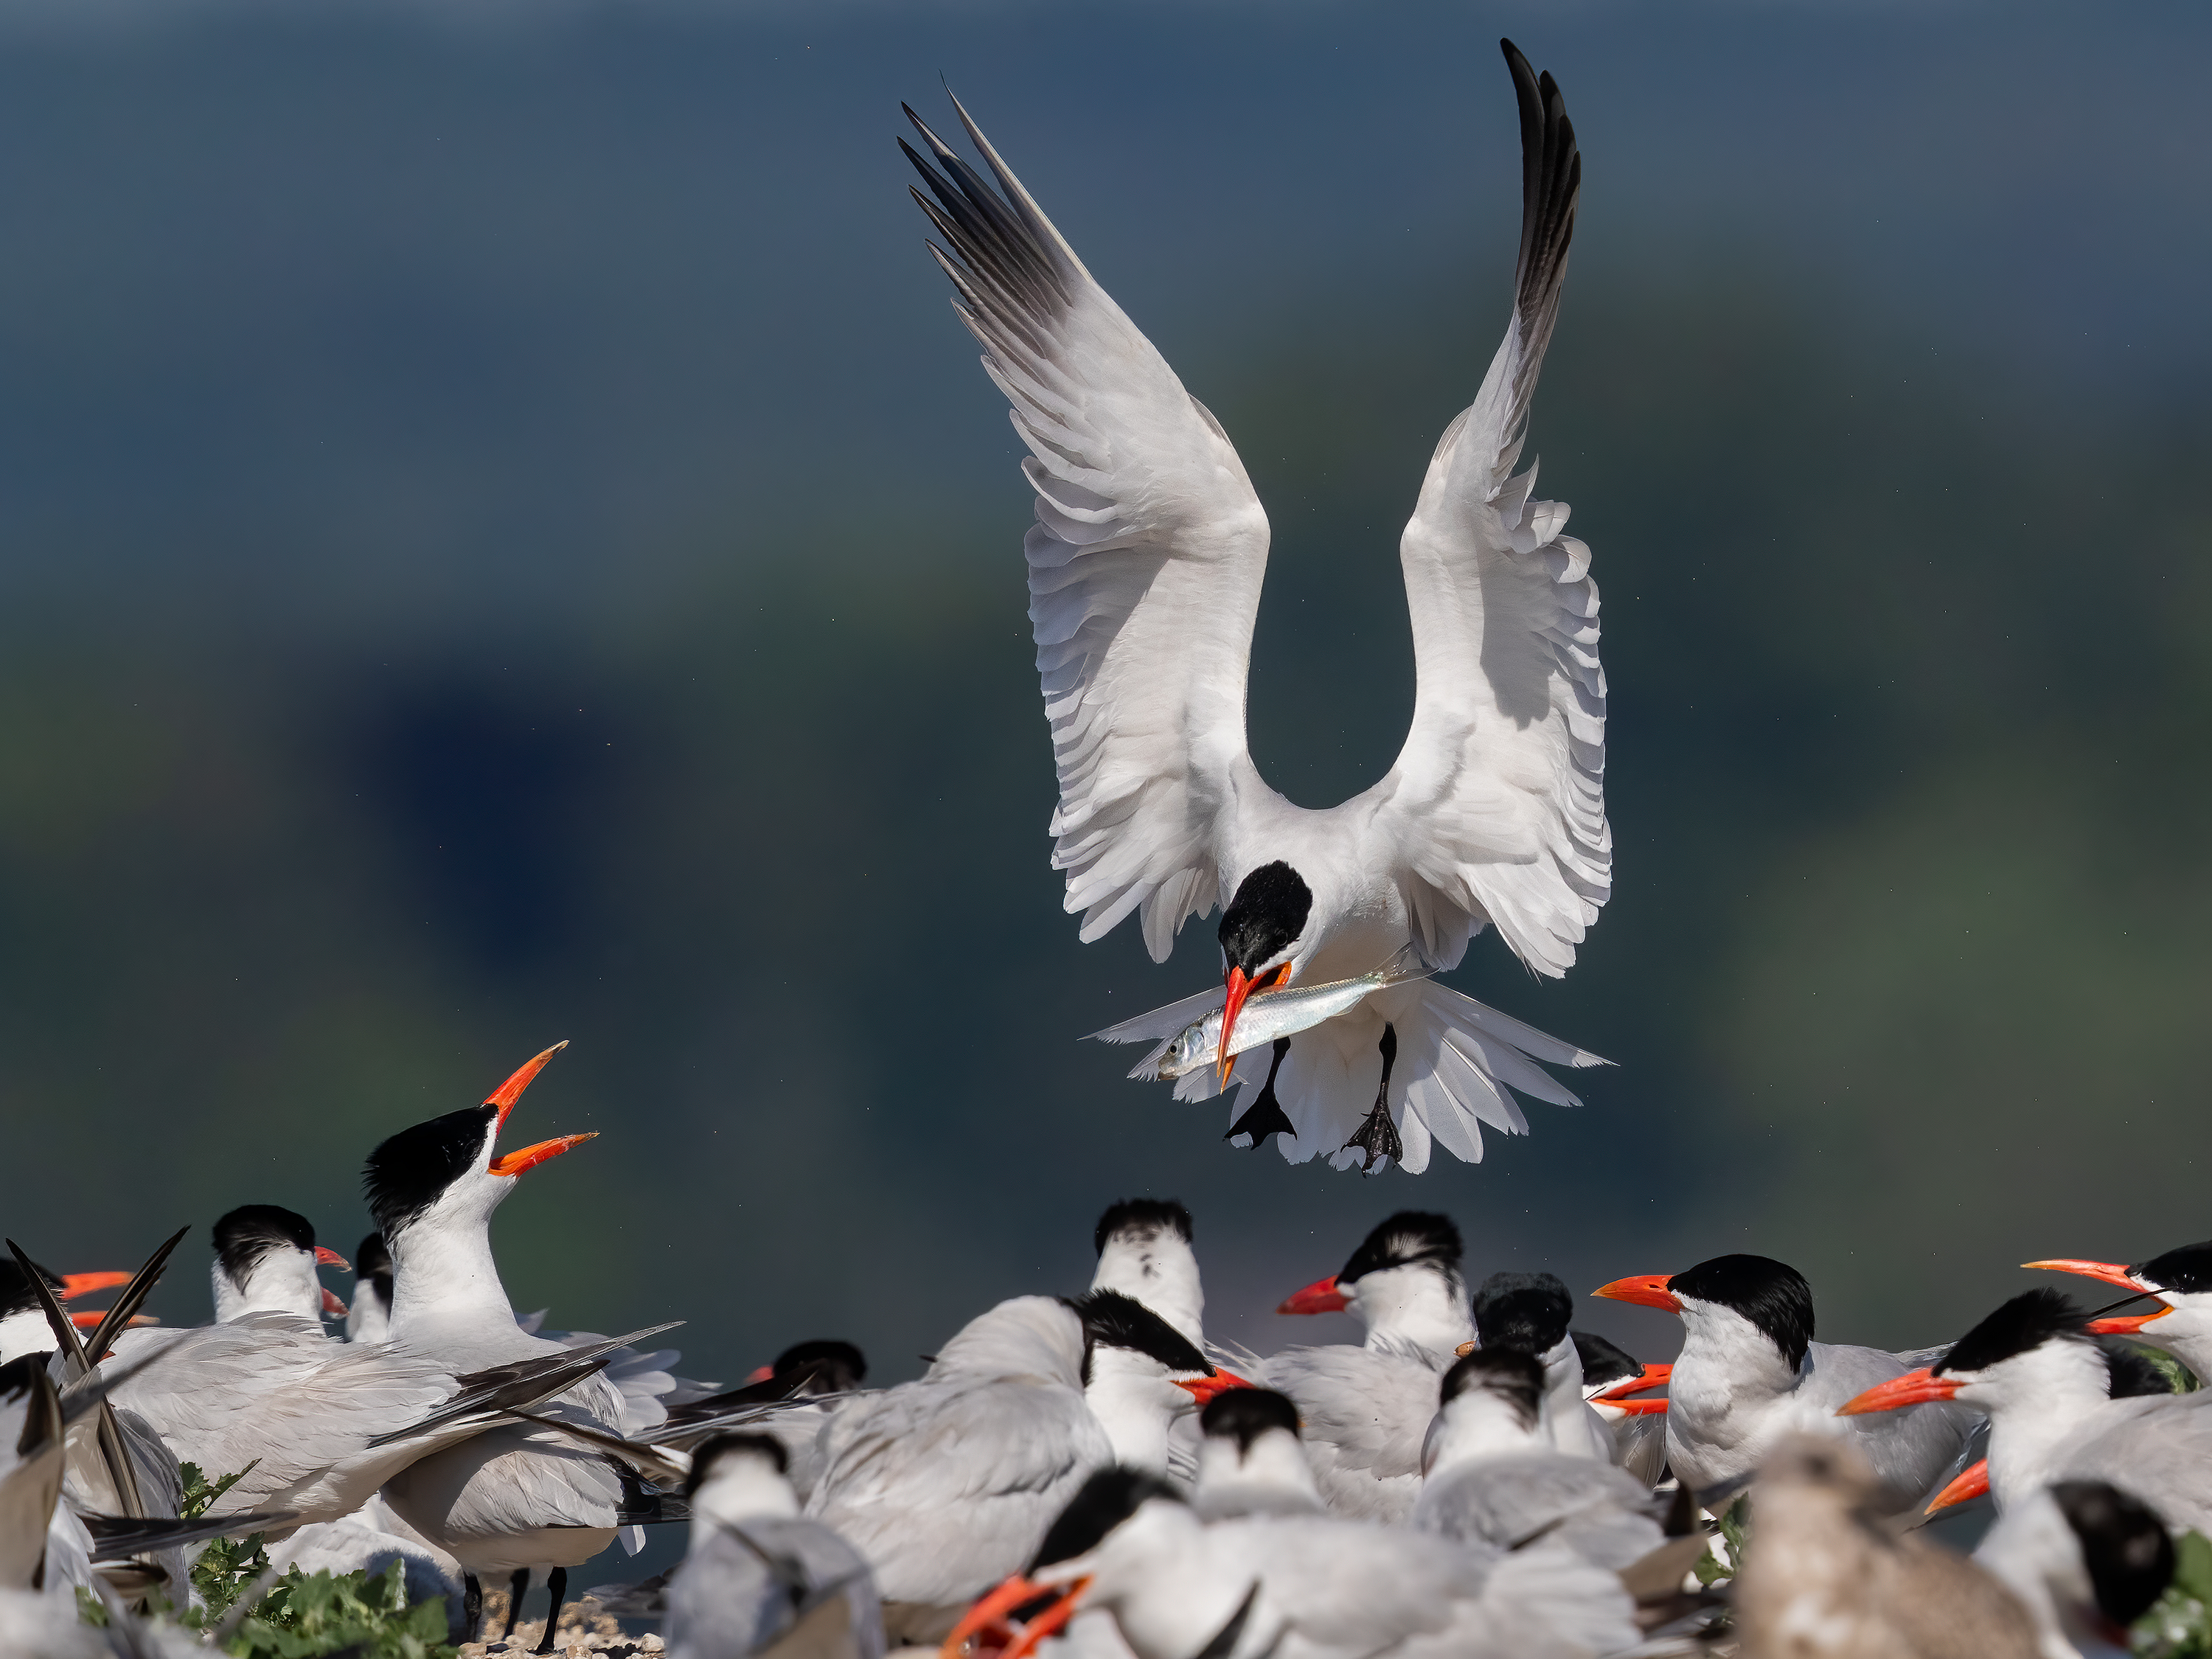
(1265, 1116)
(472, 1605)
(1377, 1136)
(517, 1587)
(557, 1582)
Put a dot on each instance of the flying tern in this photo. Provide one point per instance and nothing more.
(1750, 1372)
(1145, 572)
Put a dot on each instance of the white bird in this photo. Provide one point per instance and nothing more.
(2045, 1386)
(1145, 567)
(1492, 1476)
(265, 1261)
(946, 1484)
(2181, 1281)
(758, 1575)
(1750, 1372)
(1614, 1382)
(517, 1499)
(1302, 1587)
(1250, 1459)
(2085, 1559)
(1144, 1249)
(1822, 1578)
(1366, 1409)
(1529, 1313)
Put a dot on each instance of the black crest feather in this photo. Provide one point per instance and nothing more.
(1265, 916)
(2028, 1320)
(1107, 1499)
(1146, 1216)
(405, 1174)
(836, 1367)
(1246, 1415)
(1604, 1361)
(2124, 1545)
(1111, 1319)
(1772, 1295)
(251, 1230)
(1408, 1236)
(2187, 1269)
(1527, 1311)
(716, 1447)
(1506, 1372)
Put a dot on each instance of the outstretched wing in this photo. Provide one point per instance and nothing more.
(1498, 800)
(1145, 563)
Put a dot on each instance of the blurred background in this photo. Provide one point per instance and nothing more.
(502, 538)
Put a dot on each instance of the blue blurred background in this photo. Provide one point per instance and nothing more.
(501, 538)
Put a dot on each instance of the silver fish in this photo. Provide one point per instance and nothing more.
(1267, 1015)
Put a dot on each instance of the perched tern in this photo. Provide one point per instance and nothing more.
(2086, 1560)
(1250, 1459)
(1366, 1409)
(1492, 1475)
(1823, 1578)
(516, 1499)
(2181, 1281)
(1145, 567)
(1750, 1372)
(759, 1577)
(808, 1380)
(1144, 1249)
(946, 1484)
(2045, 1384)
(265, 1259)
(1614, 1383)
(1312, 1586)
(23, 1328)
(1529, 1313)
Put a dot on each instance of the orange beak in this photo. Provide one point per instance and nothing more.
(1204, 1388)
(508, 1092)
(1654, 1376)
(2125, 1324)
(1650, 1290)
(1047, 1621)
(1970, 1485)
(2110, 1272)
(330, 1258)
(1913, 1388)
(85, 1284)
(333, 1306)
(1238, 988)
(1319, 1297)
(989, 1611)
(89, 1320)
(759, 1374)
(529, 1157)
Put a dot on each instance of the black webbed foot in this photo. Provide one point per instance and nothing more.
(1377, 1136)
(1265, 1116)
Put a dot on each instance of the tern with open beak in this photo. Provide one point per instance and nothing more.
(1750, 1372)
(2181, 1280)
(1145, 567)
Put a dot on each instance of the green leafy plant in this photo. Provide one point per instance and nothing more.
(2180, 1626)
(1735, 1527)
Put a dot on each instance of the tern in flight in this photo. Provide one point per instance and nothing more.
(1144, 569)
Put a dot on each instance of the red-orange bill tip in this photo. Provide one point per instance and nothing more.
(1971, 1483)
(88, 1318)
(333, 1306)
(529, 1157)
(1319, 1297)
(1646, 1290)
(2111, 1271)
(1206, 1388)
(1653, 1376)
(2125, 1324)
(85, 1283)
(1913, 1388)
(508, 1092)
(325, 1256)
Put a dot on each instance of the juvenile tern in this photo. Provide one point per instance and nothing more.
(1146, 566)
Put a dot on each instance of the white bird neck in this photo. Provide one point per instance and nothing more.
(1132, 1397)
(2034, 1554)
(1563, 1381)
(1156, 1268)
(2184, 1332)
(442, 1269)
(25, 1332)
(1156, 1574)
(2036, 1402)
(368, 1320)
(1474, 1426)
(1424, 1303)
(1726, 1364)
(1273, 1475)
(741, 1488)
(282, 1280)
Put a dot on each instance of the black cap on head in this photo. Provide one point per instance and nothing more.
(1604, 1361)
(2124, 1545)
(1146, 1216)
(2028, 1320)
(716, 1447)
(1527, 1311)
(1245, 1414)
(1111, 1319)
(1266, 915)
(370, 1256)
(406, 1174)
(1408, 1236)
(251, 1230)
(1772, 1295)
(1506, 1372)
(2188, 1269)
(2130, 1373)
(1106, 1500)
(837, 1367)
(16, 1295)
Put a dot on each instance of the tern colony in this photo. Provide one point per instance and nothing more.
(1088, 1475)
(1088, 1472)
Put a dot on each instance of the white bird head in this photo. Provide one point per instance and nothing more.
(265, 1261)
(1403, 1281)
(1263, 939)
(1144, 1252)
(2036, 1349)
